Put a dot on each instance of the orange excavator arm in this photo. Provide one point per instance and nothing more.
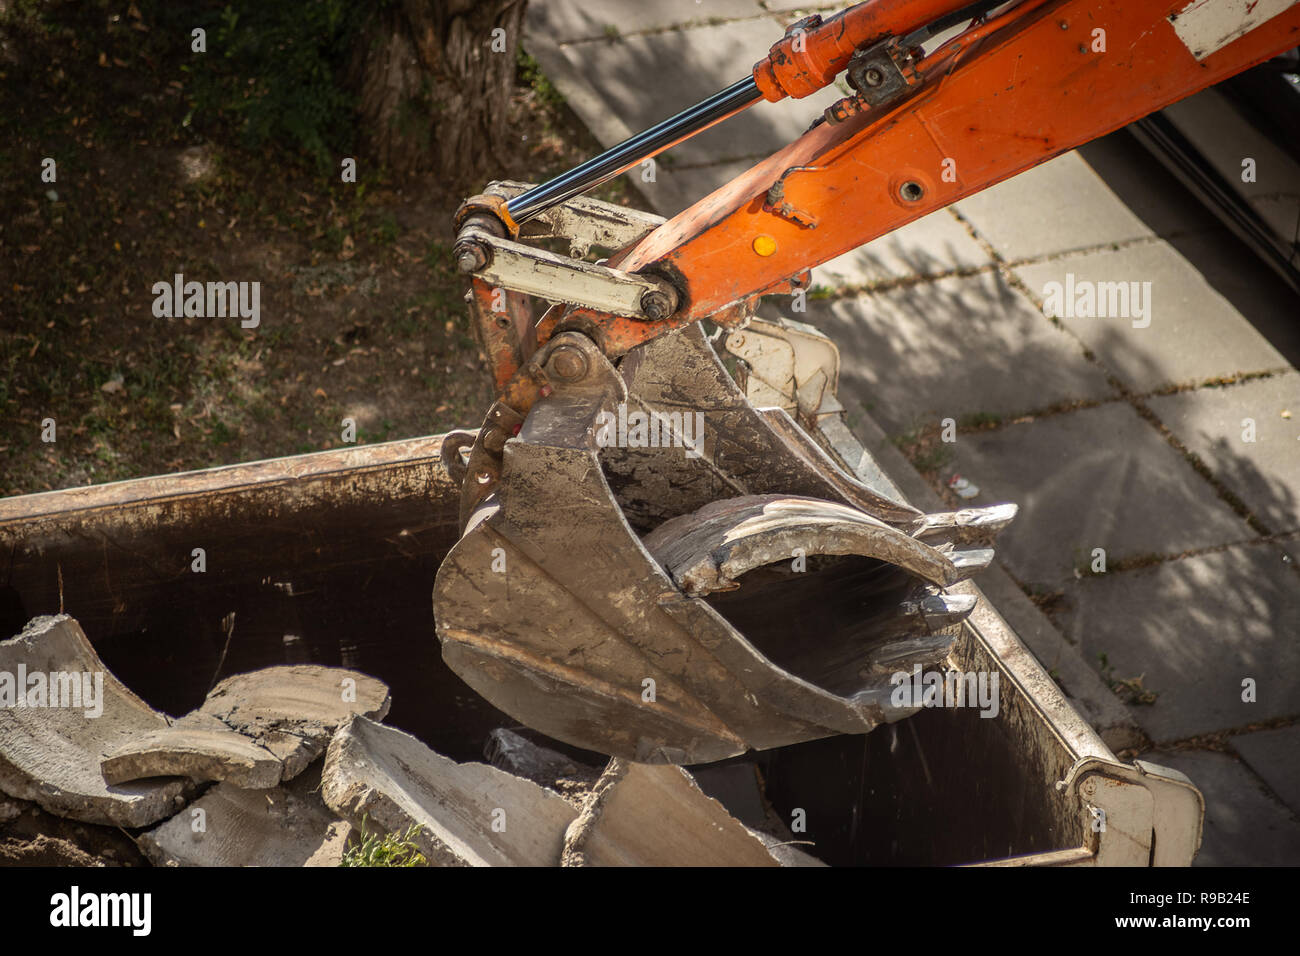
(1032, 82)
(647, 593)
(1023, 82)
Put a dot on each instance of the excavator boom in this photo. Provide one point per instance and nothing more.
(650, 565)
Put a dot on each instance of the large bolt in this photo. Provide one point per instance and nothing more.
(657, 305)
(567, 363)
(873, 77)
(471, 257)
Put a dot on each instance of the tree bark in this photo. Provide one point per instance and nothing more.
(434, 80)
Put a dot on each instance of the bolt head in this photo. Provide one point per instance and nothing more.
(568, 364)
(471, 257)
(873, 77)
(656, 305)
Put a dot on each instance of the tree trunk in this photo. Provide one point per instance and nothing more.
(434, 80)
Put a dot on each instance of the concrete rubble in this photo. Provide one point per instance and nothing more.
(470, 814)
(287, 766)
(198, 747)
(280, 826)
(254, 730)
(50, 755)
(293, 711)
(623, 821)
(515, 754)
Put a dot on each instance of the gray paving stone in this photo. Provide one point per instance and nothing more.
(564, 21)
(1132, 174)
(1059, 206)
(641, 80)
(1264, 473)
(1244, 826)
(932, 245)
(1238, 276)
(1193, 334)
(1275, 756)
(950, 348)
(1094, 478)
(1195, 628)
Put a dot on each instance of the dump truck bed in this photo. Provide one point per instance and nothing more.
(330, 558)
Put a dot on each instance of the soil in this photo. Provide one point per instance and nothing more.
(362, 312)
(33, 837)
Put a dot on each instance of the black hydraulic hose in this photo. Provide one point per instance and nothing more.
(636, 149)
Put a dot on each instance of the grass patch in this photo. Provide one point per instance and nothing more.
(389, 849)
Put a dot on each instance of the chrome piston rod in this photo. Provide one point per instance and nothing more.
(619, 159)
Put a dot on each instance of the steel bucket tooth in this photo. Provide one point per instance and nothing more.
(663, 649)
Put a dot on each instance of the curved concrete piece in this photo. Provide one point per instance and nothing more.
(196, 746)
(293, 710)
(50, 752)
(470, 814)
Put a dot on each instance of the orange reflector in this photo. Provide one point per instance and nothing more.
(764, 245)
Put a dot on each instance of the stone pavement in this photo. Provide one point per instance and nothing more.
(1154, 456)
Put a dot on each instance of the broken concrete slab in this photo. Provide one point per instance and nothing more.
(469, 814)
(643, 815)
(293, 710)
(739, 788)
(197, 746)
(736, 786)
(51, 747)
(516, 754)
(787, 852)
(231, 826)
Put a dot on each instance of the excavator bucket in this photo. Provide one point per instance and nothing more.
(666, 573)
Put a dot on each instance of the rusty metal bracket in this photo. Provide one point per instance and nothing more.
(493, 256)
(882, 73)
(775, 202)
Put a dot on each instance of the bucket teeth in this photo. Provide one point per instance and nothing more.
(967, 526)
(972, 562)
(902, 655)
(686, 604)
(936, 611)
